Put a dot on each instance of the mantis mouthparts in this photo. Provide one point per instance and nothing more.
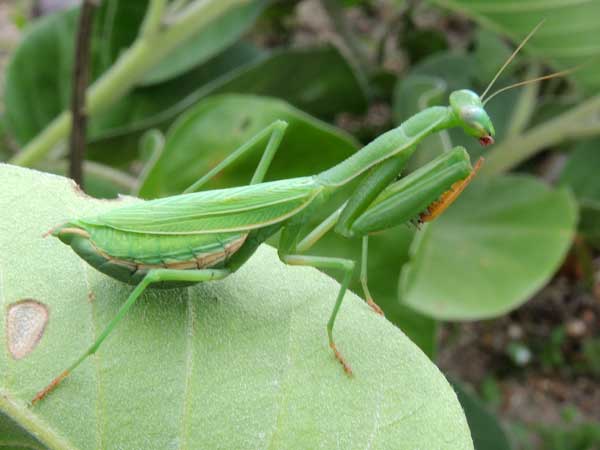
(486, 140)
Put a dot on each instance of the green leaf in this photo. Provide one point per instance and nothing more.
(215, 37)
(13, 437)
(490, 251)
(490, 54)
(581, 175)
(241, 363)
(215, 127)
(580, 172)
(317, 80)
(567, 38)
(485, 428)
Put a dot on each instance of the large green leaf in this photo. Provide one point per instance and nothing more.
(500, 242)
(215, 127)
(242, 363)
(567, 39)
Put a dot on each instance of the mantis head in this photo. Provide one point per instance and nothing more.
(471, 116)
(468, 107)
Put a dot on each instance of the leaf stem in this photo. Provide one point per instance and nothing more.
(147, 50)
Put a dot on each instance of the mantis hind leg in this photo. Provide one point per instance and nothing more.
(275, 131)
(347, 266)
(363, 277)
(154, 276)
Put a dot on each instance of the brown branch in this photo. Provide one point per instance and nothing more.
(80, 84)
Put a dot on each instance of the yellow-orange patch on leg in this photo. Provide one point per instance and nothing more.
(439, 206)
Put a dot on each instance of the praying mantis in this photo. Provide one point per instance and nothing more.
(201, 236)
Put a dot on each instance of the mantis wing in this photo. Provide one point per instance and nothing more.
(223, 210)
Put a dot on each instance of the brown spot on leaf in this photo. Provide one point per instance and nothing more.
(25, 324)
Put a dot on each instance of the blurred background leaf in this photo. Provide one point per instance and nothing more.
(486, 432)
(566, 40)
(13, 437)
(508, 233)
(581, 175)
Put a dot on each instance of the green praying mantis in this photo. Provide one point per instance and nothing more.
(201, 236)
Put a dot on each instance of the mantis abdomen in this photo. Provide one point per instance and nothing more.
(129, 256)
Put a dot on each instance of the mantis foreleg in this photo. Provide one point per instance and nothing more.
(153, 276)
(402, 200)
(376, 181)
(275, 131)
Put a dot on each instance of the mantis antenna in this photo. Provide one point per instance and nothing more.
(510, 58)
(533, 80)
